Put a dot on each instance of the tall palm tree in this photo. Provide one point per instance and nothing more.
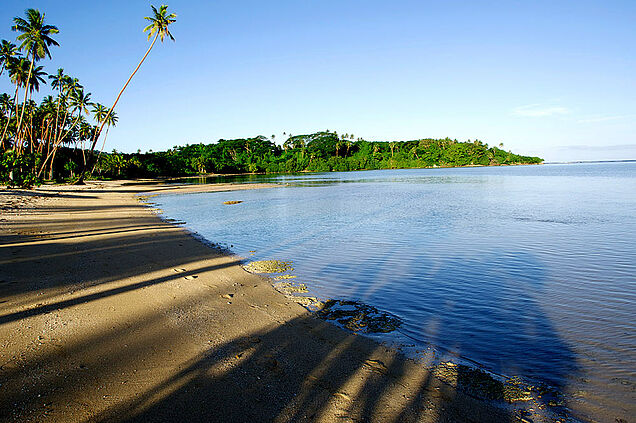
(18, 69)
(8, 51)
(36, 39)
(158, 27)
(79, 102)
(37, 78)
(392, 145)
(100, 113)
(57, 83)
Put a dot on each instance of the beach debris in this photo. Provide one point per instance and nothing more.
(268, 266)
(232, 202)
(359, 317)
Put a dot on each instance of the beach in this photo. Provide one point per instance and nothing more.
(108, 313)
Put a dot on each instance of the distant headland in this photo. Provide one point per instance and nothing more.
(322, 151)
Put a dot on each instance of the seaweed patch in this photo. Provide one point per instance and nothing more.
(269, 266)
(359, 317)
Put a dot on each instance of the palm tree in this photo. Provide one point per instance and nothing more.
(392, 146)
(100, 112)
(158, 28)
(36, 39)
(57, 83)
(79, 102)
(348, 144)
(18, 71)
(8, 51)
(37, 78)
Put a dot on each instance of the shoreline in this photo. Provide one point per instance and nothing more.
(96, 278)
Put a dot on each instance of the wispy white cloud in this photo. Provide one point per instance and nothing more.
(540, 110)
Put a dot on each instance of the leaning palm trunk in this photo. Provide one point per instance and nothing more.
(101, 127)
(82, 174)
(26, 93)
(101, 150)
(15, 98)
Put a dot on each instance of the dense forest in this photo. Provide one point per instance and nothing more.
(318, 152)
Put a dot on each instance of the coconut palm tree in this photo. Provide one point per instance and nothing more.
(111, 120)
(99, 112)
(79, 103)
(36, 39)
(392, 145)
(158, 27)
(18, 69)
(57, 83)
(37, 78)
(8, 51)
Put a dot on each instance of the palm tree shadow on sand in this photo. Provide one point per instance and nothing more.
(268, 377)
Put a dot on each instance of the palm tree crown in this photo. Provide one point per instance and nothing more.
(8, 51)
(159, 22)
(37, 78)
(18, 71)
(36, 36)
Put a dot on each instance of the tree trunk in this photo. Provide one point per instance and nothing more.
(15, 99)
(26, 93)
(99, 131)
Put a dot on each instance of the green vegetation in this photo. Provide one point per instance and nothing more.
(48, 140)
(319, 152)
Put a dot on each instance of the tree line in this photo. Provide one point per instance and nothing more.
(322, 151)
(58, 137)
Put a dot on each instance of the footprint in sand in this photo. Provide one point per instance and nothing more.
(190, 277)
(179, 270)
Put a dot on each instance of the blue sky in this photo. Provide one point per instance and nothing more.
(550, 78)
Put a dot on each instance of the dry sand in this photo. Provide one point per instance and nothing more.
(108, 313)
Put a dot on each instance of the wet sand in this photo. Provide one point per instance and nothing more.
(108, 313)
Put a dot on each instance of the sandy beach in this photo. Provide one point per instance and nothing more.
(108, 313)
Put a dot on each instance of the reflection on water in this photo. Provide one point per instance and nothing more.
(527, 270)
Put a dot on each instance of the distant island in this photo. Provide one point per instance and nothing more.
(322, 151)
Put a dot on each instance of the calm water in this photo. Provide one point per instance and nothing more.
(529, 271)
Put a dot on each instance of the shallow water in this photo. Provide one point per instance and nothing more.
(527, 270)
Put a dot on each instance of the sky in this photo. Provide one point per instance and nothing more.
(556, 79)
